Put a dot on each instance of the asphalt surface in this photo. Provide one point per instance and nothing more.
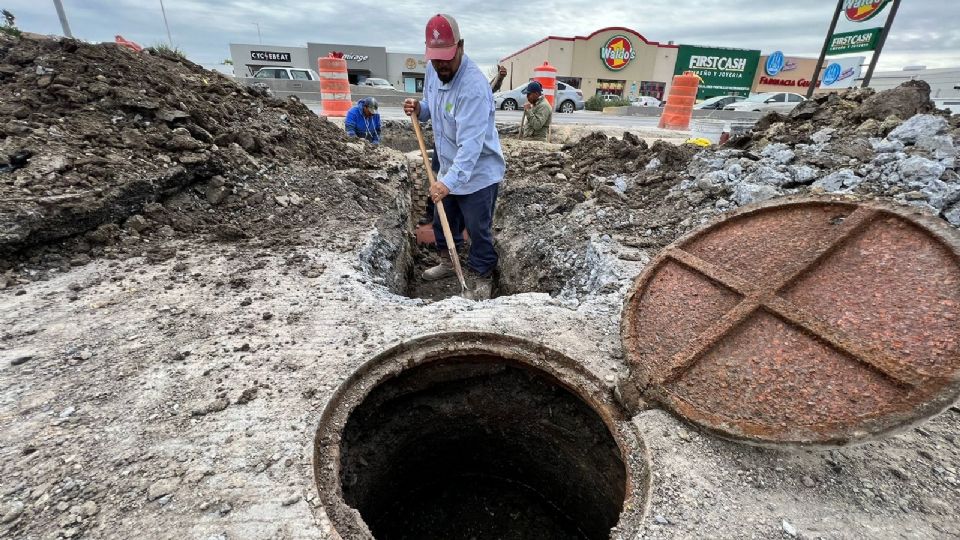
(586, 118)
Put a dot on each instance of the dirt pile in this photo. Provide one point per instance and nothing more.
(866, 112)
(576, 219)
(92, 133)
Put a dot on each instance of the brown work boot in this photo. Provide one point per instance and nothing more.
(481, 287)
(440, 271)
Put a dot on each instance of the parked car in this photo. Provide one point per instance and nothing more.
(381, 84)
(781, 102)
(569, 99)
(645, 101)
(275, 72)
(718, 103)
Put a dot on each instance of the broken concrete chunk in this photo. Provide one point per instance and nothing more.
(918, 126)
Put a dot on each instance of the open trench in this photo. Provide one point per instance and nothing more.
(415, 252)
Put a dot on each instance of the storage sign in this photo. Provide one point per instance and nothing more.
(851, 42)
(723, 71)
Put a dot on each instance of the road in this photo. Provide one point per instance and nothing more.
(584, 118)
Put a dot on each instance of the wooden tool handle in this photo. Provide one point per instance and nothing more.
(447, 234)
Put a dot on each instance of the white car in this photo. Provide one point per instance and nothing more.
(781, 102)
(569, 99)
(717, 103)
(381, 84)
(645, 101)
(276, 72)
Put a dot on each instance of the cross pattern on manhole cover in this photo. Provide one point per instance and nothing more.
(811, 322)
(765, 295)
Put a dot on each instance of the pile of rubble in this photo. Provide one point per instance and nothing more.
(107, 149)
(567, 217)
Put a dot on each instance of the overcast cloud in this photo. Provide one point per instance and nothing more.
(926, 31)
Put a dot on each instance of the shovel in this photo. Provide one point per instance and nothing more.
(522, 118)
(447, 235)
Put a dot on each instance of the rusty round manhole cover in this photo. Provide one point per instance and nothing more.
(807, 322)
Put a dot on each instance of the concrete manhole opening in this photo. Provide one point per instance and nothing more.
(478, 441)
(815, 321)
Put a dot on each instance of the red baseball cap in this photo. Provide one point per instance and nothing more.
(443, 34)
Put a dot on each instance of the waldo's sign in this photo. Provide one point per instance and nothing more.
(617, 52)
(862, 10)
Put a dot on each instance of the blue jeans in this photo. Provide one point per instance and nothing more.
(473, 212)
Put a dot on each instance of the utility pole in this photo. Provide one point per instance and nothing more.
(823, 52)
(63, 18)
(883, 40)
(259, 37)
(165, 23)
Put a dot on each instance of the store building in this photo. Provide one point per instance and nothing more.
(404, 71)
(616, 60)
(780, 73)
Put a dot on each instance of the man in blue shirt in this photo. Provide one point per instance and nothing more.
(363, 120)
(457, 97)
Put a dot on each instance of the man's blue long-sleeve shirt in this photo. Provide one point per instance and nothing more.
(358, 125)
(464, 130)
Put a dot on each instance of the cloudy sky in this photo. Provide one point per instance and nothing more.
(926, 31)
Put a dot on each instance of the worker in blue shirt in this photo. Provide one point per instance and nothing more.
(457, 97)
(363, 120)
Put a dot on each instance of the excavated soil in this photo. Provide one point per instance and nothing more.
(576, 220)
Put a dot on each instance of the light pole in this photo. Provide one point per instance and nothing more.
(63, 18)
(165, 23)
(259, 37)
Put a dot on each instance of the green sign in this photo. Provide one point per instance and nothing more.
(851, 42)
(724, 71)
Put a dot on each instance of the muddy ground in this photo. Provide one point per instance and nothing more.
(163, 369)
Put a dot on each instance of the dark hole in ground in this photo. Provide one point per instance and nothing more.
(480, 449)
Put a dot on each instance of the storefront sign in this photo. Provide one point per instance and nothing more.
(850, 42)
(723, 71)
(269, 56)
(792, 83)
(617, 53)
(775, 64)
(863, 10)
(356, 57)
(842, 73)
(412, 64)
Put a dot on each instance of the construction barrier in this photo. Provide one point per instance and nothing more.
(334, 85)
(546, 75)
(679, 107)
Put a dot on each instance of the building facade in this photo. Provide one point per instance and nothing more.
(405, 71)
(617, 61)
